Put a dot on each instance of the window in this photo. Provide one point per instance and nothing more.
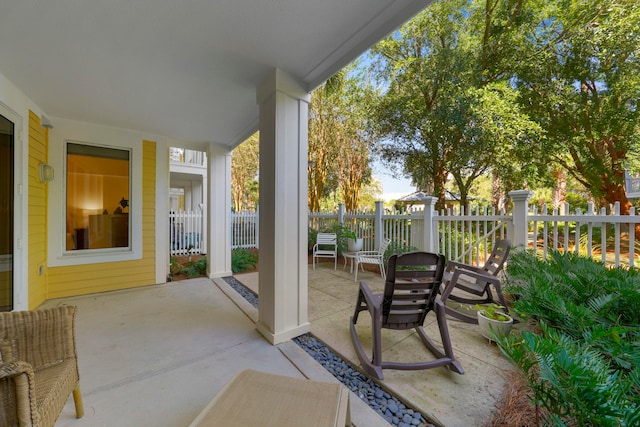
(97, 197)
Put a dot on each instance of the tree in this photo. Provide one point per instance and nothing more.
(324, 128)
(580, 79)
(447, 107)
(356, 140)
(339, 140)
(244, 174)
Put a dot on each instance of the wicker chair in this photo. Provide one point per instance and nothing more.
(38, 366)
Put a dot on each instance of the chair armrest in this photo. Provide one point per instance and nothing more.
(451, 265)
(12, 369)
(374, 305)
(24, 388)
(469, 273)
(367, 253)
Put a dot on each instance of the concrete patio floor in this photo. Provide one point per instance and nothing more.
(155, 356)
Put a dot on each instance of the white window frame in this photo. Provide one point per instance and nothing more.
(104, 137)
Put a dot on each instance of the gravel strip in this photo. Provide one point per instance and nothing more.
(388, 406)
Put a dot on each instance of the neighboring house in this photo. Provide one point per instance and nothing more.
(187, 200)
(92, 97)
(416, 199)
(633, 186)
(188, 179)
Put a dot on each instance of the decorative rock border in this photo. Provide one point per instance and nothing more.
(388, 406)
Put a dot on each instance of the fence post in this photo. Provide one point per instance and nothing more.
(378, 232)
(430, 229)
(340, 213)
(520, 233)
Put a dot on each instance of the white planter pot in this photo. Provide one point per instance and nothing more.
(354, 246)
(490, 328)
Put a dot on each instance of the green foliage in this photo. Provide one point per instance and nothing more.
(493, 311)
(312, 237)
(243, 260)
(583, 361)
(175, 267)
(347, 233)
(398, 248)
(196, 268)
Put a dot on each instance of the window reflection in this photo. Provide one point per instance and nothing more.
(97, 213)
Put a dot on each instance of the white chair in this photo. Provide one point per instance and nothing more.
(372, 257)
(326, 247)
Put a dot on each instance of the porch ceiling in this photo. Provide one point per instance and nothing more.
(183, 69)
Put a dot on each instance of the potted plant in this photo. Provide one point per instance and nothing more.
(354, 243)
(494, 321)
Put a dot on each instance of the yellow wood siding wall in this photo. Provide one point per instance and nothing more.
(110, 276)
(37, 218)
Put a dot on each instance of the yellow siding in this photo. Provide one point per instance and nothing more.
(38, 146)
(111, 276)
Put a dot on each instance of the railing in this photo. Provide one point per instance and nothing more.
(188, 157)
(185, 232)
(609, 238)
(469, 236)
(244, 230)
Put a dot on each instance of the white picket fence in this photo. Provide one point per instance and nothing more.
(186, 235)
(244, 230)
(469, 236)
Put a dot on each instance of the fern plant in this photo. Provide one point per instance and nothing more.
(243, 260)
(583, 361)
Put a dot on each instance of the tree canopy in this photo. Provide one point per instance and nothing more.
(512, 87)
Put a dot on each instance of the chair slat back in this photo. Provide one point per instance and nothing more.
(327, 239)
(383, 246)
(498, 256)
(411, 286)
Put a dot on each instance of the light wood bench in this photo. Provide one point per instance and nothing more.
(253, 398)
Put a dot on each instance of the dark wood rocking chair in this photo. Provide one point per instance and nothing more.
(410, 293)
(476, 282)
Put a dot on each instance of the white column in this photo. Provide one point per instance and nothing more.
(162, 205)
(218, 213)
(283, 218)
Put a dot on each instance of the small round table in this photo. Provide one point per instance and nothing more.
(351, 256)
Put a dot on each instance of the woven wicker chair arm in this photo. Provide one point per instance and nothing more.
(12, 369)
(25, 395)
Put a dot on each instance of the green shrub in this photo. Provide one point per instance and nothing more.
(583, 360)
(243, 260)
(312, 237)
(175, 267)
(196, 268)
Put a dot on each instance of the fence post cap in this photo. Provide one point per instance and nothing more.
(520, 194)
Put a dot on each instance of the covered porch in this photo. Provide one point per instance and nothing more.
(157, 355)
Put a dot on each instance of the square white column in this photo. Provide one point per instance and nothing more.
(218, 212)
(283, 309)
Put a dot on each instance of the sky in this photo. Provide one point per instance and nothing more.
(394, 186)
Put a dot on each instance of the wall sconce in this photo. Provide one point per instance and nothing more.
(45, 122)
(45, 172)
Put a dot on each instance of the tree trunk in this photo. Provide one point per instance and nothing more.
(559, 195)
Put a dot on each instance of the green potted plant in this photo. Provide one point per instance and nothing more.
(354, 243)
(494, 321)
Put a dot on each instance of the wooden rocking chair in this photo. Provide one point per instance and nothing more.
(410, 293)
(476, 282)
